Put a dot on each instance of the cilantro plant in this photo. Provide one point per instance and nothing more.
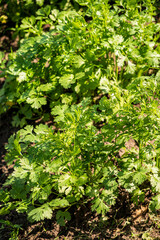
(16, 12)
(97, 72)
(59, 68)
(79, 163)
(55, 170)
(133, 114)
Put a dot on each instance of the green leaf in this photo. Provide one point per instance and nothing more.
(131, 67)
(37, 102)
(138, 196)
(54, 14)
(40, 213)
(62, 217)
(54, 166)
(17, 146)
(78, 61)
(7, 208)
(27, 130)
(126, 180)
(82, 179)
(60, 112)
(155, 182)
(23, 206)
(59, 203)
(67, 99)
(40, 2)
(64, 183)
(116, 40)
(67, 80)
(79, 75)
(26, 134)
(2, 55)
(104, 84)
(41, 129)
(22, 77)
(140, 176)
(99, 206)
(4, 196)
(45, 87)
(155, 203)
(28, 22)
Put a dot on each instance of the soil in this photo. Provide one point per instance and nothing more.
(124, 221)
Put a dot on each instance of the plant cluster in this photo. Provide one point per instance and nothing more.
(60, 67)
(15, 12)
(97, 72)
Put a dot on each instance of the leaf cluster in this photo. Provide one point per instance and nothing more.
(63, 66)
(97, 72)
(79, 163)
(54, 170)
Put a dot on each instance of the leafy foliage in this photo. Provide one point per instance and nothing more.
(64, 65)
(62, 167)
(55, 170)
(97, 72)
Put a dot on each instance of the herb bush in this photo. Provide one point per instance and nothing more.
(18, 14)
(79, 163)
(58, 68)
(107, 61)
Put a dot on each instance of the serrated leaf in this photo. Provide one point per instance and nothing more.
(79, 75)
(126, 180)
(40, 213)
(131, 67)
(104, 84)
(67, 80)
(78, 61)
(64, 183)
(140, 177)
(54, 166)
(66, 98)
(41, 129)
(37, 102)
(25, 164)
(22, 77)
(45, 87)
(109, 196)
(155, 182)
(7, 208)
(26, 134)
(28, 22)
(60, 112)
(138, 195)
(116, 40)
(99, 206)
(59, 203)
(155, 203)
(62, 217)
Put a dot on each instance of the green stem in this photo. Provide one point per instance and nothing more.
(140, 142)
